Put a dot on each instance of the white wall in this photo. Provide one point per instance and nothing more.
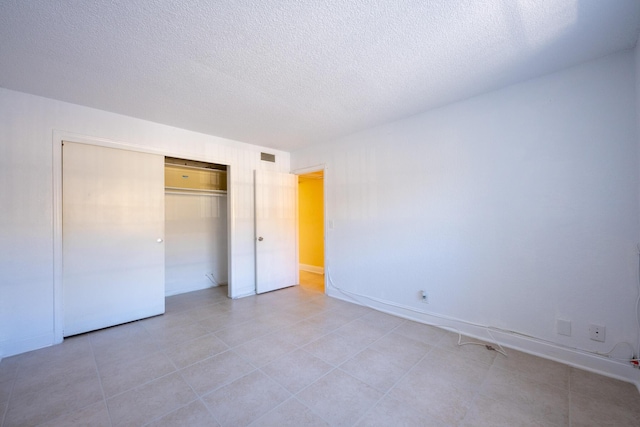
(27, 127)
(512, 209)
(195, 242)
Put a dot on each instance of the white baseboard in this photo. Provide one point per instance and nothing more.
(11, 348)
(589, 362)
(311, 268)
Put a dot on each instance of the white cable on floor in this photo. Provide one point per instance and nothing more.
(350, 294)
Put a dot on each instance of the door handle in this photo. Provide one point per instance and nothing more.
(260, 239)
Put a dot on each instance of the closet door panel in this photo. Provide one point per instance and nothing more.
(113, 236)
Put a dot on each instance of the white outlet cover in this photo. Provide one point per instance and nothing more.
(563, 327)
(597, 332)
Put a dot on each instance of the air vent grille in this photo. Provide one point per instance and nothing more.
(268, 157)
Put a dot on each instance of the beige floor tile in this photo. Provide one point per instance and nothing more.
(603, 388)
(541, 402)
(594, 412)
(373, 368)
(164, 322)
(454, 366)
(123, 375)
(217, 321)
(390, 412)
(176, 334)
(277, 319)
(237, 334)
(95, 415)
(338, 304)
(291, 413)
(335, 349)
(536, 368)
(402, 351)
(47, 374)
(147, 402)
(434, 394)
(53, 396)
(382, 321)
(71, 350)
(132, 342)
(3, 411)
(288, 296)
(129, 332)
(5, 390)
(296, 370)
(190, 300)
(216, 371)
(9, 367)
(126, 350)
(302, 333)
(420, 332)
(473, 352)
(194, 414)
(339, 398)
(190, 352)
(498, 413)
(305, 310)
(206, 311)
(351, 310)
(361, 330)
(266, 349)
(245, 400)
(329, 321)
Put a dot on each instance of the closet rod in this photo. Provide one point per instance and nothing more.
(189, 193)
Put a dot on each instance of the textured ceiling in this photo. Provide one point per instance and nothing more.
(290, 73)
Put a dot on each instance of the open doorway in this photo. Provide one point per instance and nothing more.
(311, 230)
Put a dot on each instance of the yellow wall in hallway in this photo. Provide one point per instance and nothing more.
(311, 221)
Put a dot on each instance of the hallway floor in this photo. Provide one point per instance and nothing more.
(295, 357)
(312, 281)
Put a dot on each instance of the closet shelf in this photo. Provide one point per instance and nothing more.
(195, 192)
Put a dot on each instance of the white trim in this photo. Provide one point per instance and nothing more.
(309, 169)
(11, 348)
(311, 268)
(58, 326)
(246, 294)
(57, 138)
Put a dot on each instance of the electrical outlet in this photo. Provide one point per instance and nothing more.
(425, 297)
(596, 332)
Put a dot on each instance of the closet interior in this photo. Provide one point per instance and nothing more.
(196, 225)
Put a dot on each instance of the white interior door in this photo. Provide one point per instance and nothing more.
(112, 236)
(276, 228)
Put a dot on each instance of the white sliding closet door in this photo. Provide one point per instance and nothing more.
(113, 227)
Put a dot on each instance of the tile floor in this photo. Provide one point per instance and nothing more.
(295, 357)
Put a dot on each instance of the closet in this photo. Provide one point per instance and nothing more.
(137, 227)
(196, 238)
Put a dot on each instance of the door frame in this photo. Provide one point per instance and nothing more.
(302, 171)
(58, 138)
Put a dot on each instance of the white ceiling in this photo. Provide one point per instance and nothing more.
(290, 73)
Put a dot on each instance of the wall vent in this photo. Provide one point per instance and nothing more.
(268, 157)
